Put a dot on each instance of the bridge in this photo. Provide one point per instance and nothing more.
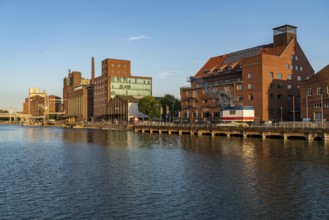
(307, 131)
(12, 115)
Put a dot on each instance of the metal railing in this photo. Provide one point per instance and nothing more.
(281, 125)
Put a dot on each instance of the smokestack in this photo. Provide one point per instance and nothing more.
(92, 71)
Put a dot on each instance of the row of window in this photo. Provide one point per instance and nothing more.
(295, 67)
(293, 57)
(278, 76)
(115, 65)
(318, 91)
(318, 105)
(279, 97)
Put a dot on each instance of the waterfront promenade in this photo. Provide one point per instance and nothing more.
(286, 130)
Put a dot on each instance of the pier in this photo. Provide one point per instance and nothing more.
(307, 131)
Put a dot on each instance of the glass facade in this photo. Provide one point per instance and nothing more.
(130, 86)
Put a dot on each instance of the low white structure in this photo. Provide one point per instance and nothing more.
(241, 114)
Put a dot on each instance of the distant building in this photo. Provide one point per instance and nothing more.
(265, 77)
(123, 109)
(116, 79)
(78, 95)
(314, 93)
(39, 103)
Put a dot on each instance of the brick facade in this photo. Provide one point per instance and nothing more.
(116, 79)
(265, 77)
(314, 94)
(78, 96)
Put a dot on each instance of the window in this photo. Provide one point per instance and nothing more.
(326, 105)
(250, 86)
(289, 77)
(250, 75)
(317, 105)
(289, 97)
(327, 89)
(292, 57)
(279, 75)
(291, 67)
(319, 90)
(296, 57)
(239, 87)
(232, 112)
(271, 96)
(296, 67)
(287, 66)
(279, 85)
(309, 91)
(279, 96)
(289, 86)
(250, 97)
(227, 88)
(301, 68)
(299, 78)
(271, 75)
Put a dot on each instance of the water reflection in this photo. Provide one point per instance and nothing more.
(88, 174)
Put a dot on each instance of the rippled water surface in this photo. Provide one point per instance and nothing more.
(54, 173)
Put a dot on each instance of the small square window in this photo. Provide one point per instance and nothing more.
(289, 77)
(279, 75)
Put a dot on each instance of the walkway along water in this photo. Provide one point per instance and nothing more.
(308, 131)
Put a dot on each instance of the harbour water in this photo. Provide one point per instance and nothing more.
(55, 173)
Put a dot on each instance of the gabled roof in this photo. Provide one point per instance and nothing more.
(233, 61)
(325, 70)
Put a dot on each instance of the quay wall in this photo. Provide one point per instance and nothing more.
(295, 132)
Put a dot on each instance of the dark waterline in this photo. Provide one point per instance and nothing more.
(54, 173)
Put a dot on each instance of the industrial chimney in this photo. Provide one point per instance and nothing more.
(92, 71)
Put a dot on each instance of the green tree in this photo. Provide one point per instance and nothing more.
(149, 106)
(3, 111)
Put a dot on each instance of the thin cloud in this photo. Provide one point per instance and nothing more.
(165, 75)
(141, 37)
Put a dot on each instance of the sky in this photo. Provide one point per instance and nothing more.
(168, 40)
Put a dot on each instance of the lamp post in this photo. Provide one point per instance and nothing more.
(293, 108)
(10, 109)
(306, 108)
(281, 114)
(322, 110)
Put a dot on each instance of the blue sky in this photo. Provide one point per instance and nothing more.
(167, 40)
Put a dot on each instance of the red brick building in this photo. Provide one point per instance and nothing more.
(314, 94)
(265, 77)
(116, 79)
(40, 104)
(78, 96)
